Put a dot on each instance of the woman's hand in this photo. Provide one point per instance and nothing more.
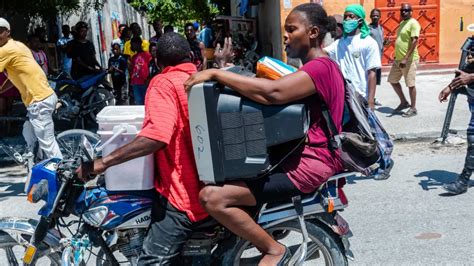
(199, 77)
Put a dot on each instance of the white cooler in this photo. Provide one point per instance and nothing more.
(118, 125)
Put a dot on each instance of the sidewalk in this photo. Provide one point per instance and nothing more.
(429, 121)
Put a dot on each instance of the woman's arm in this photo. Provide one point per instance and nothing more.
(289, 88)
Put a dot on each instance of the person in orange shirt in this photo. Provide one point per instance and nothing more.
(165, 133)
(39, 98)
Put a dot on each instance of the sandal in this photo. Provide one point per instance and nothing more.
(400, 108)
(410, 113)
(286, 258)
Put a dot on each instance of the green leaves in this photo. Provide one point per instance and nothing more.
(176, 11)
(46, 8)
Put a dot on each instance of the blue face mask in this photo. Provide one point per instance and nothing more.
(350, 25)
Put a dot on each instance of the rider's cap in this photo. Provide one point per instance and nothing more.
(4, 23)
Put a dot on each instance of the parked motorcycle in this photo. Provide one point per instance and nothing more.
(80, 100)
(116, 223)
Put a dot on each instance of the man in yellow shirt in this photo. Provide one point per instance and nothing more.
(406, 60)
(136, 32)
(30, 80)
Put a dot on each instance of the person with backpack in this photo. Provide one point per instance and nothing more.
(319, 80)
(357, 53)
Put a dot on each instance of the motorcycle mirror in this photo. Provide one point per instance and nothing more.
(87, 148)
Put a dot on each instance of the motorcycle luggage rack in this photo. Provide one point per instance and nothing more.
(311, 204)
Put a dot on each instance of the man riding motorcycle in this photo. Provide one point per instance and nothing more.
(166, 134)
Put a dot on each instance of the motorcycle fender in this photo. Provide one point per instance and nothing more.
(339, 226)
(15, 227)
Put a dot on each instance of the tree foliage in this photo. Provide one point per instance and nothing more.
(176, 11)
(45, 8)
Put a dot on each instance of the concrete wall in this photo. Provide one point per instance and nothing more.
(269, 33)
(451, 38)
(112, 9)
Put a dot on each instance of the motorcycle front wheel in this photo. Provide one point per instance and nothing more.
(323, 248)
(100, 98)
(11, 252)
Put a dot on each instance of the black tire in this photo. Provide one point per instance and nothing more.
(69, 140)
(15, 251)
(327, 244)
(100, 98)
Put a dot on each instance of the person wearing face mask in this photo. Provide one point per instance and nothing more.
(357, 53)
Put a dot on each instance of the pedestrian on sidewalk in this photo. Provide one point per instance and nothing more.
(38, 54)
(82, 53)
(136, 32)
(30, 80)
(376, 32)
(461, 184)
(118, 69)
(65, 61)
(406, 61)
(139, 74)
(197, 47)
(158, 27)
(357, 53)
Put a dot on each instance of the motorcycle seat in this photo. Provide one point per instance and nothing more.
(207, 224)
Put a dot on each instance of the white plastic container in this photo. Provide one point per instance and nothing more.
(118, 125)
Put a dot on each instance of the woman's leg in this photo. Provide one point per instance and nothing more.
(221, 201)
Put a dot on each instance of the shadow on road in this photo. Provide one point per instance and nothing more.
(354, 179)
(435, 178)
(11, 189)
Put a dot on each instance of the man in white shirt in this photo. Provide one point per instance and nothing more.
(357, 53)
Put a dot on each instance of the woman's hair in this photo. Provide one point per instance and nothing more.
(316, 16)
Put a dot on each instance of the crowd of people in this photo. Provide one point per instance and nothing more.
(161, 69)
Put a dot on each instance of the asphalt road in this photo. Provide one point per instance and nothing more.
(405, 220)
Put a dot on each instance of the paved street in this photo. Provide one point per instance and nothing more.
(429, 121)
(405, 220)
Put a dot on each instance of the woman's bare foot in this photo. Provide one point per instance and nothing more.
(273, 257)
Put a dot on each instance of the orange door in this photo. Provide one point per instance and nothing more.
(427, 14)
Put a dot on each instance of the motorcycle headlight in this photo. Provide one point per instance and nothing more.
(95, 216)
(38, 191)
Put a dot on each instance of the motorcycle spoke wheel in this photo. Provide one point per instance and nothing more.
(69, 141)
(322, 249)
(11, 253)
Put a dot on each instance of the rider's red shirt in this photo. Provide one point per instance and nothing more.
(167, 120)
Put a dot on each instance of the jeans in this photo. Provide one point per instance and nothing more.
(40, 127)
(139, 92)
(168, 232)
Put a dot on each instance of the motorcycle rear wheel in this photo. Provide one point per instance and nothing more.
(69, 140)
(323, 249)
(13, 252)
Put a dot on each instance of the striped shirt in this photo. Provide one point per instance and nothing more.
(167, 120)
(42, 60)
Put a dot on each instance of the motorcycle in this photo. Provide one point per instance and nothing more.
(81, 100)
(116, 224)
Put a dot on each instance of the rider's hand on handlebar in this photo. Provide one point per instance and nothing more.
(88, 171)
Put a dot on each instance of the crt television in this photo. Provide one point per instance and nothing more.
(231, 134)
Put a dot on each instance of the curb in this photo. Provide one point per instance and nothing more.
(422, 136)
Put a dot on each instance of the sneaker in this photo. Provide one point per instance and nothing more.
(400, 108)
(456, 187)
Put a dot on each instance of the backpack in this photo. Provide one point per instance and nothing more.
(356, 143)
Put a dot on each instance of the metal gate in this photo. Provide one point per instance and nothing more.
(427, 14)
